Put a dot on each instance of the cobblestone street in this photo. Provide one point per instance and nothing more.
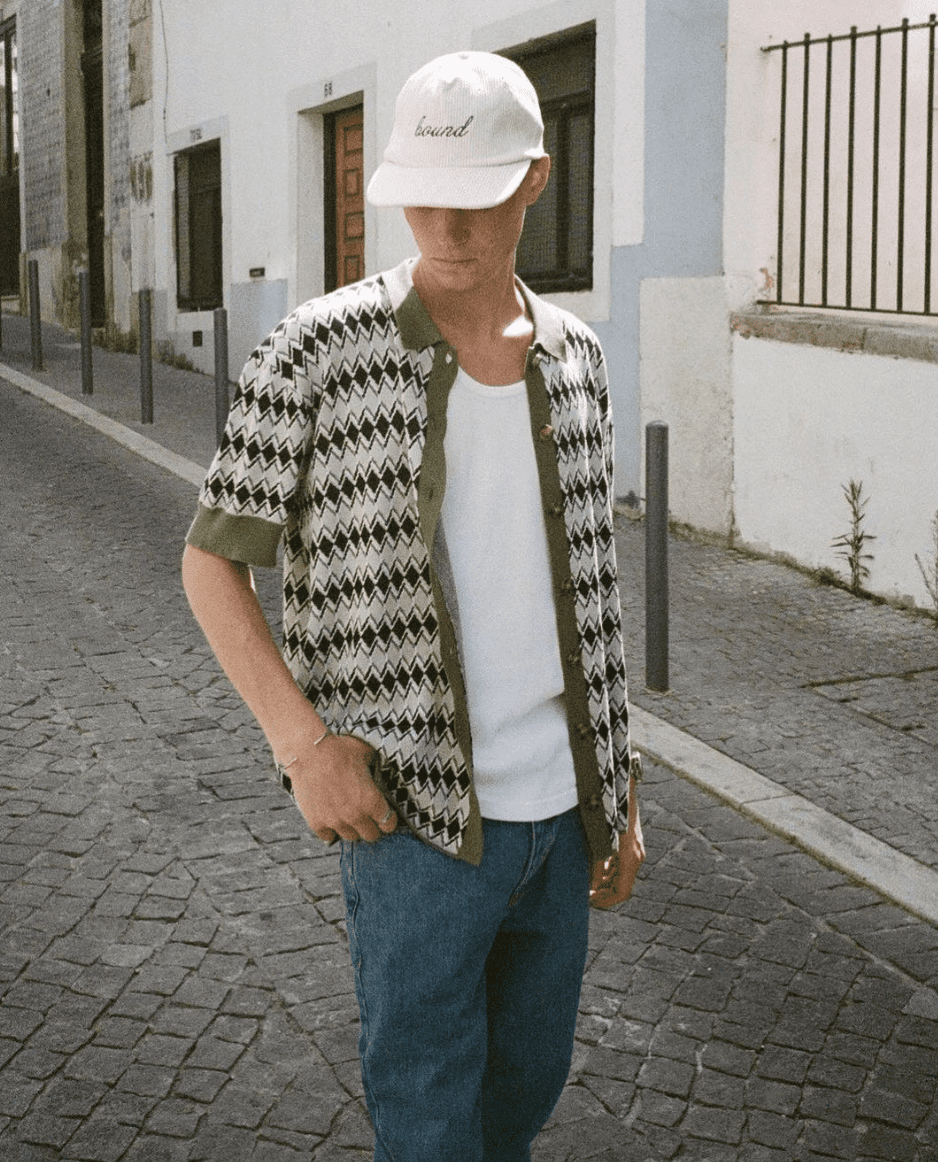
(173, 966)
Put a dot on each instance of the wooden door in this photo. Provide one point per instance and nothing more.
(349, 170)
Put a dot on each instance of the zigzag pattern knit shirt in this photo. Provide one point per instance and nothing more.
(334, 444)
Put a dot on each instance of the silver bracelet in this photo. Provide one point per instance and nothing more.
(296, 757)
(285, 780)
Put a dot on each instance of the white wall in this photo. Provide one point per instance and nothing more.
(763, 434)
(686, 383)
(807, 421)
(273, 72)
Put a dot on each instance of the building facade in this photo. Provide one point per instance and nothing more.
(221, 162)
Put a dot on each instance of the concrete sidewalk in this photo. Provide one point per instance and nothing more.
(811, 711)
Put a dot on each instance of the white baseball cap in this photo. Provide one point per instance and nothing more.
(466, 128)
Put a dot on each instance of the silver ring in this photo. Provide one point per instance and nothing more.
(387, 817)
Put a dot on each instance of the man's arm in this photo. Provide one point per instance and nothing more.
(331, 779)
(614, 878)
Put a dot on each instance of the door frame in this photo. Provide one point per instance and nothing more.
(308, 108)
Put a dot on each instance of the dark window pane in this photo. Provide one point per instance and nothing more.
(183, 274)
(9, 161)
(565, 70)
(580, 203)
(537, 251)
(198, 228)
(205, 207)
(556, 248)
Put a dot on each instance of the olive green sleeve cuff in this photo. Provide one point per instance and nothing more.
(238, 538)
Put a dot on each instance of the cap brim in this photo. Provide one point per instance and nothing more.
(452, 187)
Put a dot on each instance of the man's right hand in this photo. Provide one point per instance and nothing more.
(335, 792)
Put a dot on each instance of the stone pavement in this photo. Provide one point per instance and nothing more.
(173, 966)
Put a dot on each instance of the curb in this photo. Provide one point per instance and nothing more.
(828, 838)
(148, 449)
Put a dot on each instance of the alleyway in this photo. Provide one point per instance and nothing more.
(174, 974)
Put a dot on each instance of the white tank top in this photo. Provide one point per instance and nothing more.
(492, 557)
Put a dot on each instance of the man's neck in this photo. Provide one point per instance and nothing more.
(487, 313)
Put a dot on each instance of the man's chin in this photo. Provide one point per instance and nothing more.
(462, 274)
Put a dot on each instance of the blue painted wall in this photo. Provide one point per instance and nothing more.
(685, 102)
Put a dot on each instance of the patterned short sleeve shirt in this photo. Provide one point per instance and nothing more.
(334, 445)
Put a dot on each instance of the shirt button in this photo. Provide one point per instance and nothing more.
(556, 510)
(546, 433)
(449, 357)
(594, 802)
(584, 730)
(574, 657)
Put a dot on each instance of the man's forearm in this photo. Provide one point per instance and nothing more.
(222, 597)
(332, 782)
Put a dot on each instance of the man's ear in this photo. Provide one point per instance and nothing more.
(536, 179)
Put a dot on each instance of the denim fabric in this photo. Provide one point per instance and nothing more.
(468, 980)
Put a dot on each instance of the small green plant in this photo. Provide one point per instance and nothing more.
(930, 573)
(112, 338)
(851, 546)
(167, 353)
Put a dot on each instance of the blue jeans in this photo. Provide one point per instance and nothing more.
(468, 980)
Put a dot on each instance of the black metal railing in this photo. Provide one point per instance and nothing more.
(855, 183)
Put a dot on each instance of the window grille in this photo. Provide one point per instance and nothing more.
(198, 228)
(556, 248)
(855, 185)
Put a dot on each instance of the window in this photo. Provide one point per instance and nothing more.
(856, 191)
(556, 248)
(198, 228)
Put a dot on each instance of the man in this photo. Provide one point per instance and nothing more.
(434, 447)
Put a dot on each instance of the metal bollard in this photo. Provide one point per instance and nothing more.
(220, 319)
(146, 357)
(87, 367)
(35, 322)
(656, 556)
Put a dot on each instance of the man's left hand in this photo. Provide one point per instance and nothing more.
(613, 878)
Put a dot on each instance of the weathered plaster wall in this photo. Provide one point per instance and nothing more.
(810, 419)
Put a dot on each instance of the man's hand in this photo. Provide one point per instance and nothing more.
(614, 878)
(335, 792)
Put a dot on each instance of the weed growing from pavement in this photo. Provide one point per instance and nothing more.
(167, 353)
(112, 338)
(127, 343)
(851, 545)
(823, 576)
(930, 574)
